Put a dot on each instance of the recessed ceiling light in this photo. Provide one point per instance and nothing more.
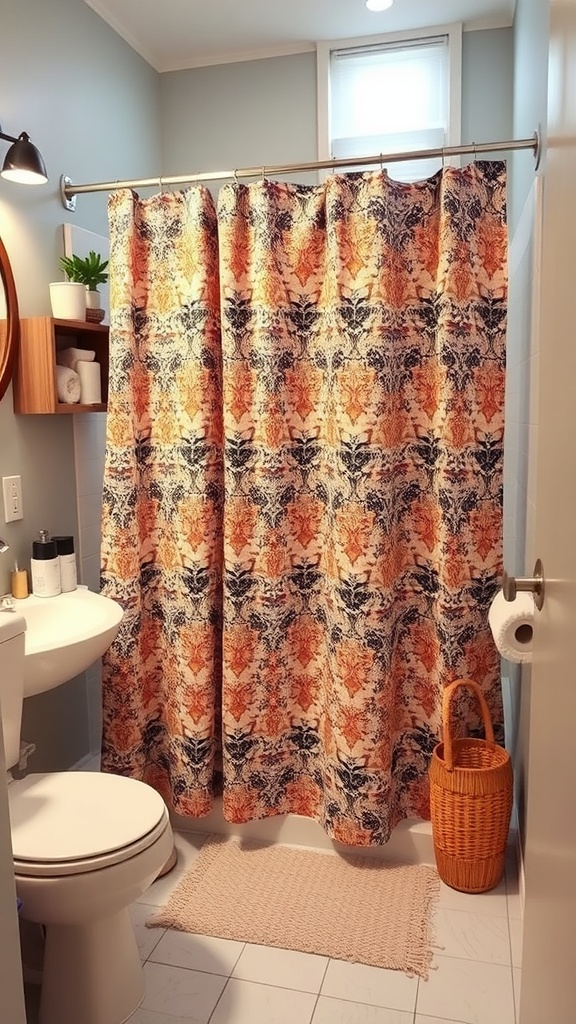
(379, 5)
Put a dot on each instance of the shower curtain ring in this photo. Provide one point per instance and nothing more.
(381, 163)
(160, 182)
(263, 172)
(236, 175)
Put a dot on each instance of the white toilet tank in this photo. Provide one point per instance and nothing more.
(12, 630)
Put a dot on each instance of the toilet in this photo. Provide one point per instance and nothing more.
(85, 846)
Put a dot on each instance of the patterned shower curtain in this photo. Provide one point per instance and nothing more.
(362, 345)
(363, 332)
(162, 536)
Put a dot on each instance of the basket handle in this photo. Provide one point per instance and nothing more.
(447, 696)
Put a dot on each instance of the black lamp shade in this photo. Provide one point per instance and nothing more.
(23, 163)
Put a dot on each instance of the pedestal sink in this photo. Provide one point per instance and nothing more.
(64, 635)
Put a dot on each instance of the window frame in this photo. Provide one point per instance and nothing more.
(323, 54)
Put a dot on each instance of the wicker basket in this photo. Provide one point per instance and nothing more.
(470, 802)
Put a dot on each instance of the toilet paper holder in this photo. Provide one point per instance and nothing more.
(511, 585)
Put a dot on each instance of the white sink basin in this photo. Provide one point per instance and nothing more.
(65, 635)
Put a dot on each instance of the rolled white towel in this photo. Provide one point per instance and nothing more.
(67, 385)
(71, 356)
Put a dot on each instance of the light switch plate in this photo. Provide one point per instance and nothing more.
(12, 489)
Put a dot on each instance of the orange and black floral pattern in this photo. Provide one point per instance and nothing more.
(363, 334)
(362, 343)
(162, 520)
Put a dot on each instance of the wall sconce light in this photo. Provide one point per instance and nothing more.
(23, 162)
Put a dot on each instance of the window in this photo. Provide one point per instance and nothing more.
(390, 95)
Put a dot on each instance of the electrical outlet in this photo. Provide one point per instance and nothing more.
(12, 488)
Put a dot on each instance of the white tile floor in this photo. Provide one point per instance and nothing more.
(195, 979)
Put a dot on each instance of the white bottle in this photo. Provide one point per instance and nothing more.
(45, 567)
(67, 560)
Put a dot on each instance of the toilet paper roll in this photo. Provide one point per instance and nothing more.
(512, 624)
(90, 387)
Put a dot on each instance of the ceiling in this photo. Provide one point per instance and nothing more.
(176, 34)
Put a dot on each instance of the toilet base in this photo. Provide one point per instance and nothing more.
(92, 972)
(170, 863)
(31, 950)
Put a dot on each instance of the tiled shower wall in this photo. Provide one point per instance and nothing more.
(521, 386)
(520, 454)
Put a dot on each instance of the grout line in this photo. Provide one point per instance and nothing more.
(328, 962)
(477, 913)
(416, 1001)
(516, 1008)
(473, 960)
(510, 945)
(266, 984)
(373, 1006)
(237, 958)
(179, 967)
(245, 981)
(218, 1000)
(311, 1021)
(160, 937)
(449, 1020)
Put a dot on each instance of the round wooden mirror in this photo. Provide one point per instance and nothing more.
(9, 321)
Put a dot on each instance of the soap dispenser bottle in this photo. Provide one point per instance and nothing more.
(67, 562)
(45, 566)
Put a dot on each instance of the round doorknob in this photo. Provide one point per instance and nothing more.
(512, 585)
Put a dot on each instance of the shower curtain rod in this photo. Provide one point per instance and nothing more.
(69, 190)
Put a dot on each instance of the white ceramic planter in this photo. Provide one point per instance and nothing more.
(68, 300)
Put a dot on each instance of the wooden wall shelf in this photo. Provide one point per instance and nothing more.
(41, 337)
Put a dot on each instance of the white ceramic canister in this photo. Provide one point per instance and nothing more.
(67, 560)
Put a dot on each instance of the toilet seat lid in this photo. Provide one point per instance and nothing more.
(65, 816)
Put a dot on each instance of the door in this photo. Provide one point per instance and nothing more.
(549, 957)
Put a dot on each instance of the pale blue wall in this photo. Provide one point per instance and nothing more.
(240, 115)
(91, 105)
(487, 83)
(265, 111)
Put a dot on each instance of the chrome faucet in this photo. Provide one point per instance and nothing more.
(6, 600)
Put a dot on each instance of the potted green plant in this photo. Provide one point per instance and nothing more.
(89, 271)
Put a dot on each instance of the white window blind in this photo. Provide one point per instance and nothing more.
(391, 98)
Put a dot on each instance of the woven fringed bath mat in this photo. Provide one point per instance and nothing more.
(346, 907)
